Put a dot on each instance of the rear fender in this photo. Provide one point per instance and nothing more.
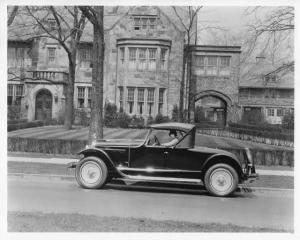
(219, 158)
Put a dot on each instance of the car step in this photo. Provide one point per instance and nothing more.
(133, 179)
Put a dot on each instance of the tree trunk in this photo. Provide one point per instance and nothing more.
(69, 105)
(192, 90)
(182, 86)
(96, 123)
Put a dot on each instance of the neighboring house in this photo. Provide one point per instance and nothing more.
(268, 89)
(142, 69)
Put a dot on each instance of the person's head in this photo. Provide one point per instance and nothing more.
(173, 133)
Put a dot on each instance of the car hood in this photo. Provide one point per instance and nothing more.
(117, 143)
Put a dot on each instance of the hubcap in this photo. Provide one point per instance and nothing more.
(90, 173)
(221, 180)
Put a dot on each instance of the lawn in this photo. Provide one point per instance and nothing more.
(60, 222)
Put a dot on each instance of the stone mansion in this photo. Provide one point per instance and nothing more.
(142, 71)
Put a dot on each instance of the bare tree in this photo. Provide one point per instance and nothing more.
(188, 20)
(270, 28)
(95, 15)
(69, 25)
(12, 15)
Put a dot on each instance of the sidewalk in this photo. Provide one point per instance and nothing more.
(38, 158)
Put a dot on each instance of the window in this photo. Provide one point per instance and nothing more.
(211, 68)
(150, 100)
(224, 66)
(161, 100)
(152, 58)
(142, 58)
(121, 91)
(270, 78)
(144, 23)
(122, 55)
(200, 67)
(80, 97)
(130, 99)
(270, 93)
(51, 23)
(270, 112)
(163, 59)
(85, 57)
(279, 112)
(140, 100)
(19, 94)
(89, 97)
(10, 94)
(51, 55)
(132, 58)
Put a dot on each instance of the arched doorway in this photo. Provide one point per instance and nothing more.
(211, 107)
(43, 105)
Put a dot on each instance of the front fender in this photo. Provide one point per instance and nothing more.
(104, 156)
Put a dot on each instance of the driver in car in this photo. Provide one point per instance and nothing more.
(173, 135)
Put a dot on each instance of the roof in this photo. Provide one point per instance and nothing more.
(173, 125)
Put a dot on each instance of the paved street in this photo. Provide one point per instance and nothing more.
(273, 209)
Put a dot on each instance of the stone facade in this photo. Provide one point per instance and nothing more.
(216, 70)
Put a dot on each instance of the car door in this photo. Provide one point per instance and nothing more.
(148, 160)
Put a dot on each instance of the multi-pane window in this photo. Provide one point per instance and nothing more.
(271, 112)
(14, 94)
(212, 64)
(85, 57)
(270, 93)
(130, 99)
(279, 112)
(89, 97)
(80, 97)
(51, 23)
(121, 92)
(161, 100)
(144, 23)
(16, 56)
(132, 58)
(142, 58)
(163, 59)
(270, 78)
(51, 55)
(224, 66)
(10, 94)
(200, 65)
(122, 55)
(140, 100)
(152, 58)
(150, 100)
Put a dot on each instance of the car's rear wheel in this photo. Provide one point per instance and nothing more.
(221, 180)
(91, 172)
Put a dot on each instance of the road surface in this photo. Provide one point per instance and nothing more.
(272, 209)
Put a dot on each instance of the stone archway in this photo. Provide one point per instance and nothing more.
(213, 106)
(43, 105)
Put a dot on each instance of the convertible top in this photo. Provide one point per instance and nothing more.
(174, 125)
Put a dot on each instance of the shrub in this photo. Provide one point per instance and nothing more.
(175, 113)
(161, 119)
(288, 120)
(110, 114)
(137, 122)
(253, 117)
(82, 117)
(123, 120)
(14, 112)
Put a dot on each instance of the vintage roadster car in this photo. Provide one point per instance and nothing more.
(167, 154)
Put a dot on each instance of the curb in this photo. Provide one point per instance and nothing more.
(72, 178)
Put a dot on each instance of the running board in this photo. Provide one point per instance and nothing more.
(138, 178)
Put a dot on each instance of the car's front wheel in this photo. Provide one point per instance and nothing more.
(91, 172)
(221, 180)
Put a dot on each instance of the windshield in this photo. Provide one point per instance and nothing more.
(162, 137)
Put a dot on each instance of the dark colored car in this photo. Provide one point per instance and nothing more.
(167, 154)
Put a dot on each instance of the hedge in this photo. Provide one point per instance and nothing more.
(21, 125)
